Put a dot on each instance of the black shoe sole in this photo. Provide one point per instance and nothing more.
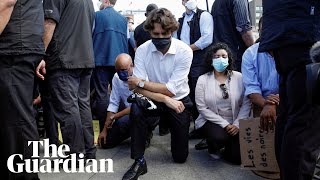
(201, 148)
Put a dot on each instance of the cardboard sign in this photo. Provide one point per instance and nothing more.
(257, 147)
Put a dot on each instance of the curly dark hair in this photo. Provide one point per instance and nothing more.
(213, 49)
(164, 17)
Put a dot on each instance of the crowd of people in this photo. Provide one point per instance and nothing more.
(204, 67)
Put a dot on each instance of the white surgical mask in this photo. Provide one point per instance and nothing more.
(191, 5)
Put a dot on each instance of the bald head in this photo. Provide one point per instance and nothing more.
(124, 63)
(123, 60)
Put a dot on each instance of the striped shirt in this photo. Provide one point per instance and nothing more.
(242, 15)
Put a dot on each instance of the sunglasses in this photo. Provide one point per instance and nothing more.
(225, 94)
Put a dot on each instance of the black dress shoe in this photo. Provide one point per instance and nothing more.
(201, 145)
(135, 171)
(163, 131)
(195, 134)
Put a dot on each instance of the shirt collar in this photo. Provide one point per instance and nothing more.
(192, 12)
(172, 49)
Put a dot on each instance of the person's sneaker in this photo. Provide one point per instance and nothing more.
(148, 140)
(135, 171)
(201, 145)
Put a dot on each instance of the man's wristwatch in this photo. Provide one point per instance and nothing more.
(141, 84)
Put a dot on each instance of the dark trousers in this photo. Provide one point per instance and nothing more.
(119, 132)
(51, 125)
(297, 138)
(101, 78)
(194, 74)
(178, 124)
(18, 124)
(69, 91)
(218, 138)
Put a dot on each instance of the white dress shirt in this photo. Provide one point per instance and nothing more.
(171, 69)
(206, 29)
(120, 91)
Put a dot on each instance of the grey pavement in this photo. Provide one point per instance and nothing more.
(199, 165)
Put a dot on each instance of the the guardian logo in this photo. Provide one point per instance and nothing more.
(58, 159)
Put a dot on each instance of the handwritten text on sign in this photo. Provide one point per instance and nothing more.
(257, 147)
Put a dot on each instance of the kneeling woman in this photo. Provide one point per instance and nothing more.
(221, 103)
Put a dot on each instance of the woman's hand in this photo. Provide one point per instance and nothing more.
(232, 129)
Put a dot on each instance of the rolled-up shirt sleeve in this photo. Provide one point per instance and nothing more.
(53, 9)
(249, 73)
(242, 16)
(180, 72)
(206, 30)
(115, 96)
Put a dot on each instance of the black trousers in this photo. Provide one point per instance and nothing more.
(218, 138)
(297, 138)
(178, 123)
(51, 125)
(120, 131)
(101, 78)
(69, 91)
(18, 124)
(194, 74)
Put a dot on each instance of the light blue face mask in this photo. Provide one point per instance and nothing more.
(220, 64)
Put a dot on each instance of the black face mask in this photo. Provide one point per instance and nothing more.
(161, 43)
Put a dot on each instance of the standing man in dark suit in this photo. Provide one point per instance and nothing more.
(69, 63)
(290, 28)
(21, 50)
(233, 27)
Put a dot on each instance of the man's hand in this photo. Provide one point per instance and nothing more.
(268, 117)
(42, 67)
(232, 129)
(273, 99)
(133, 82)
(102, 136)
(174, 104)
(37, 100)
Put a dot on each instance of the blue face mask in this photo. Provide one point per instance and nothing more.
(123, 75)
(220, 64)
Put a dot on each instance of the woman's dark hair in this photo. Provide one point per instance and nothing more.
(213, 49)
(164, 17)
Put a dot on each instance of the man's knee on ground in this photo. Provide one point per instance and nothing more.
(179, 157)
(107, 146)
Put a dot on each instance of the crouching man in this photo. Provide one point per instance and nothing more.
(117, 125)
